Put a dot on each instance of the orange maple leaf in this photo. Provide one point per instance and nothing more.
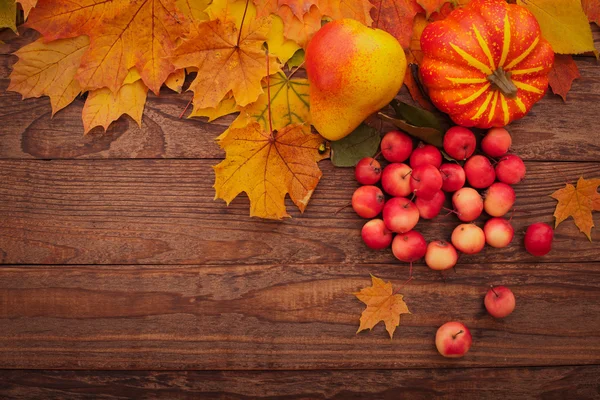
(382, 305)
(298, 30)
(359, 10)
(414, 55)
(227, 60)
(395, 17)
(431, 6)
(123, 34)
(592, 10)
(578, 202)
(27, 6)
(267, 166)
(49, 69)
(563, 73)
(298, 7)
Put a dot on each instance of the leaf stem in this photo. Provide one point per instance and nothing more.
(268, 91)
(242, 23)
(186, 107)
(296, 70)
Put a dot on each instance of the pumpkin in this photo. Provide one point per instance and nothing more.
(486, 64)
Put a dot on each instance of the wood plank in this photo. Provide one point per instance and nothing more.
(288, 316)
(552, 131)
(163, 212)
(564, 383)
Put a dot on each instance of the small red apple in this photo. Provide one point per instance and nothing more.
(499, 301)
(538, 239)
(459, 142)
(368, 201)
(453, 339)
(430, 208)
(479, 171)
(395, 179)
(367, 171)
(425, 154)
(453, 176)
(498, 199)
(400, 214)
(498, 232)
(375, 235)
(496, 142)
(426, 181)
(396, 146)
(467, 203)
(510, 169)
(468, 238)
(440, 255)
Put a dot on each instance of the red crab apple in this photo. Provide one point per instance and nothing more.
(496, 143)
(396, 146)
(468, 204)
(538, 239)
(453, 176)
(409, 246)
(430, 208)
(368, 201)
(459, 142)
(425, 154)
(440, 255)
(367, 171)
(468, 238)
(499, 301)
(425, 181)
(510, 169)
(400, 214)
(479, 171)
(395, 179)
(498, 199)
(498, 232)
(453, 339)
(375, 235)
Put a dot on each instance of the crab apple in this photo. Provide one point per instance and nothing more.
(499, 301)
(425, 154)
(459, 142)
(498, 199)
(496, 142)
(479, 171)
(468, 238)
(395, 179)
(498, 232)
(453, 177)
(468, 204)
(440, 255)
(425, 181)
(367, 171)
(400, 215)
(510, 169)
(409, 246)
(375, 235)
(396, 146)
(368, 201)
(430, 208)
(453, 339)
(538, 239)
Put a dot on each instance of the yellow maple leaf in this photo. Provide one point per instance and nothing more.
(563, 24)
(225, 107)
(227, 60)
(267, 166)
(49, 69)
(8, 15)
(123, 34)
(578, 202)
(382, 305)
(102, 106)
(194, 10)
(175, 80)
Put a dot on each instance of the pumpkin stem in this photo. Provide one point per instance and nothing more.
(500, 80)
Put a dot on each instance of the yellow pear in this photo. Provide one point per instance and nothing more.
(353, 71)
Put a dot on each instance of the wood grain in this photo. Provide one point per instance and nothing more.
(561, 383)
(288, 316)
(553, 130)
(163, 212)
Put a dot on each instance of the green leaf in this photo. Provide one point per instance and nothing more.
(8, 14)
(417, 122)
(296, 60)
(362, 142)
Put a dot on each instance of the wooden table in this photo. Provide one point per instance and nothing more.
(123, 278)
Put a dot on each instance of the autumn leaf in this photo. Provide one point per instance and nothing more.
(578, 202)
(382, 305)
(563, 24)
(102, 106)
(298, 7)
(225, 107)
(431, 6)
(194, 10)
(175, 80)
(395, 17)
(298, 30)
(414, 55)
(268, 166)
(49, 69)
(8, 15)
(592, 10)
(359, 10)
(563, 73)
(123, 34)
(27, 5)
(227, 60)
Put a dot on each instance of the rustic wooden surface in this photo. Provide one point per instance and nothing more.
(116, 257)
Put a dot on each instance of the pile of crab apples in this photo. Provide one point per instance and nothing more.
(415, 184)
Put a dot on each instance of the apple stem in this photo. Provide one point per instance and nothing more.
(375, 156)
(407, 174)
(341, 208)
(449, 211)
(512, 214)
(411, 199)
(186, 107)
(492, 288)
(457, 333)
(404, 284)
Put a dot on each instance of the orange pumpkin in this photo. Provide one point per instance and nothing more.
(486, 64)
